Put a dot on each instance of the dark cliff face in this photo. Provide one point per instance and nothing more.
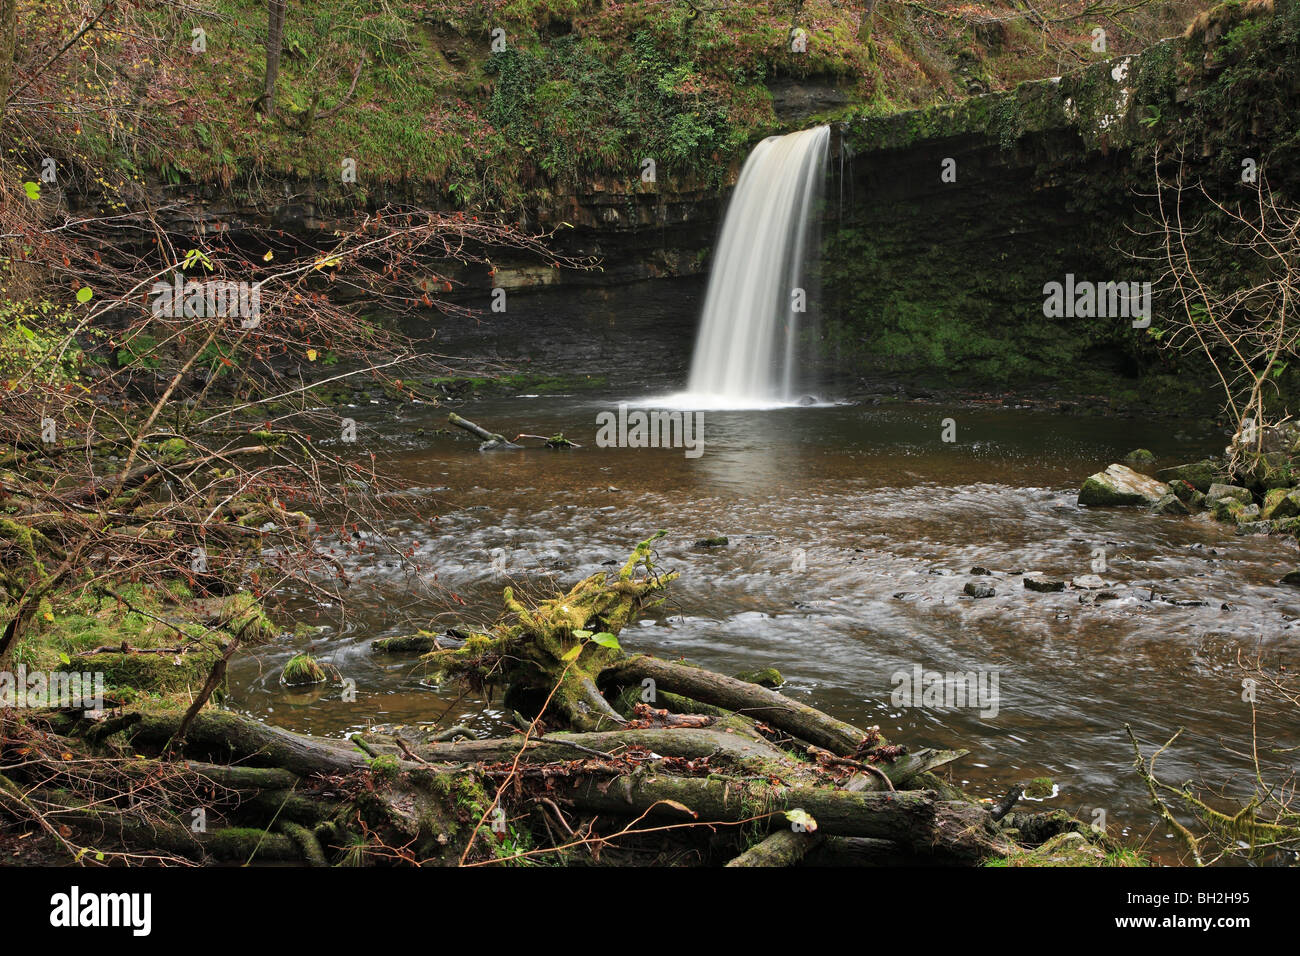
(932, 274)
(922, 273)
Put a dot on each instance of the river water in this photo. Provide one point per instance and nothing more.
(852, 530)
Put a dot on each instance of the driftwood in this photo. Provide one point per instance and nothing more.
(491, 440)
(744, 698)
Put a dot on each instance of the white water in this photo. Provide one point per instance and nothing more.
(746, 353)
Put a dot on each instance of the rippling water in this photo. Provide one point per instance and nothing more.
(852, 530)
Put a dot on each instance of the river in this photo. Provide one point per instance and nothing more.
(852, 530)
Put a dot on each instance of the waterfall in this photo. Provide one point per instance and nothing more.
(746, 353)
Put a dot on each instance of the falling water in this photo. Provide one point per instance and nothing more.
(746, 353)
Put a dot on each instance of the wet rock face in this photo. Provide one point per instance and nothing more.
(795, 101)
(1120, 485)
(948, 272)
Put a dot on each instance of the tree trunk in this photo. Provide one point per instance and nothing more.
(8, 39)
(275, 12)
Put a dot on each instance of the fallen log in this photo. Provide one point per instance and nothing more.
(687, 742)
(491, 440)
(228, 737)
(913, 818)
(744, 698)
(782, 848)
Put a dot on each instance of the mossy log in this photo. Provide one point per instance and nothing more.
(744, 698)
(686, 743)
(917, 819)
(782, 848)
(545, 646)
(227, 737)
(155, 834)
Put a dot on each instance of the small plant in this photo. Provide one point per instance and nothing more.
(301, 670)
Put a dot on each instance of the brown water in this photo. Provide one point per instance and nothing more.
(887, 519)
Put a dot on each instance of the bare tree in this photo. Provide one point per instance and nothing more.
(1233, 268)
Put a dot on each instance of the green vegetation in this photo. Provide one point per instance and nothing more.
(150, 644)
(302, 669)
(968, 304)
(1069, 849)
(576, 88)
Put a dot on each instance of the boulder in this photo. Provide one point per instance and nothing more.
(1219, 491)
(1227, 510)
(1121, 485)
(1281, 503)
(1171, 504)
(1139, 456)
(1255, 527)
(1287, 526)
(1200, 475)
(1041, 584)
(979, 590)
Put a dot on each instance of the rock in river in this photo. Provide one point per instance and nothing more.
(1042, 584)
(1219, 491)
(1121, 485)
(1200, 475)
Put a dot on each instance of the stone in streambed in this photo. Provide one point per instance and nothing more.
(1232, 511)
(1088, 582)
(720, 541)
(763, 677)
(1227, 510)
(1255, 527)
(1041, 584)
(1219, 491)
(1200, 475)
(1281, 503)
(1292, 578)
(978, 590)
(1171, 504)
(1139, 456)
(1121, 485)
(1287, 526)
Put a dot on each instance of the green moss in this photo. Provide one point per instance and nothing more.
(1039, 788)
(386, 766)
(1070, 849)
(302, 669)
(764, 677)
